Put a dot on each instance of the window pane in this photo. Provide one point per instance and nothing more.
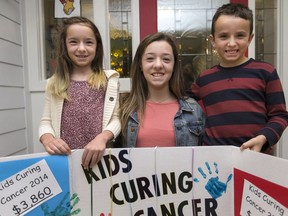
(120, 36)
(190, 23)
(266, 30)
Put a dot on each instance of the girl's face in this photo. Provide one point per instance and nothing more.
(231, 40)
(81, 46)
(158, 64)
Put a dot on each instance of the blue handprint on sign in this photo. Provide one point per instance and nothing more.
(214, 187)
(63, 209)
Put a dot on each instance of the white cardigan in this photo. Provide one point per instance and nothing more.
(51, 119)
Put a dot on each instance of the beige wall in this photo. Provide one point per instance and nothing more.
(283, 67)
(13, 127)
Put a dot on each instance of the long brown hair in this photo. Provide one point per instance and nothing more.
(136, 99)
(59, 82)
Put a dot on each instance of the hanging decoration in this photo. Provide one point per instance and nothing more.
(67, 8)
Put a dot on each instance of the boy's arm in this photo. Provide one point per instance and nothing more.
(193, 91)
(277, 114)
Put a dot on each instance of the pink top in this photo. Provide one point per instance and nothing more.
(157, 129)
(82, 116)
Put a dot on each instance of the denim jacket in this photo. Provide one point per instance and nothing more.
(188, 125)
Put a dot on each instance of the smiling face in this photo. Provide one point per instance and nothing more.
(81, 46)
(231, 39)
(157, 64)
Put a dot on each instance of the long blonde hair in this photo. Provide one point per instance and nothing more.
(136, 99)
(59, 82)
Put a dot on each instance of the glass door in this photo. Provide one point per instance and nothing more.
(190, 23)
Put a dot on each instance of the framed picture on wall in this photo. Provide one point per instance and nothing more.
(67, 8)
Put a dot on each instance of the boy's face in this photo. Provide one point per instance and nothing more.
(231, 40)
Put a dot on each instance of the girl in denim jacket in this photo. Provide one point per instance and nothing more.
(156, 112)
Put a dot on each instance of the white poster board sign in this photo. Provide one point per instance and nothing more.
(148, 182)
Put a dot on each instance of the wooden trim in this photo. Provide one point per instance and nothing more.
(244, 2)
(148, 17)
